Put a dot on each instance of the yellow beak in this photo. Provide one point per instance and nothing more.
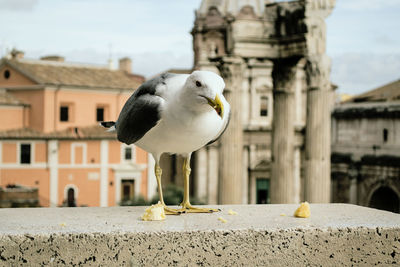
(217, 105)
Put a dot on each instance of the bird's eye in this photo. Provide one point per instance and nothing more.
(198, 84)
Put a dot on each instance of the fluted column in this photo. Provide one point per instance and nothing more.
(283, 132)
(231, 151)
(213, 175)
(317, 139)
(200, 171)
(245, 176)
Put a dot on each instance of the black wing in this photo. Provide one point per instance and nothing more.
(222, 132)
(141, 111)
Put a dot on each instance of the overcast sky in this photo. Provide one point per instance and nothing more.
(363, 37)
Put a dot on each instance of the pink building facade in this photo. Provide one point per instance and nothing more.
(50, 138)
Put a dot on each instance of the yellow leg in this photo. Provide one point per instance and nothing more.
(168, 211)
(186, 206)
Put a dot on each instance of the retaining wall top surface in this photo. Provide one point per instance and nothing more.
(128, 219)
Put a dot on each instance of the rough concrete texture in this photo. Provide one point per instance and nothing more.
(335, 234)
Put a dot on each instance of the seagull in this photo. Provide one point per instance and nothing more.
(175, 114)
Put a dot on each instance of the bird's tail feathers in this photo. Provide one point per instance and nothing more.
(108, 124)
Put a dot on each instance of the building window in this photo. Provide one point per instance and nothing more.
(100, 114)
(262, 191)
(264, 106)
(7, 74)
(385, 135)
(25, 154)
(128, 153)
(64, 113)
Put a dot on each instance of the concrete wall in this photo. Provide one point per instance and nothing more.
(12, 117)
(334, 235)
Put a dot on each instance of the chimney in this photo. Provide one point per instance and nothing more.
(53, 58)
(16, 54)
(125, 64)
(110, 64)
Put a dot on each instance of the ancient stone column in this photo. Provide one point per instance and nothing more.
(231, 151)
(245, 175)
(353, 191)
(200, 175)
(283, 132)
(213, 175)
(317, 140)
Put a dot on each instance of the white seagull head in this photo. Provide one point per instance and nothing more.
(204, 89)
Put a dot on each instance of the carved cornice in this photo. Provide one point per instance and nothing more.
(284, 74)
(322, 8)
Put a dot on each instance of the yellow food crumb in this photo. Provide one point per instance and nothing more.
(282, 214)
(303, 211)
(63, 224)
(231, 212)
(154, 213)
(222, 220)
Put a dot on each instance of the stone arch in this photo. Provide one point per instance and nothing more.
(384, 197)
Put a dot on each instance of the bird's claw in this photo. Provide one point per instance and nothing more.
(170, 211)
(188, 208)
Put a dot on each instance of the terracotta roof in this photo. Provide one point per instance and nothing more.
(91, 132)
(177, 71)
(21, 133)
(60, 73)
(138, 77)
(180, 71)
(9, 100)
(84, 133)
(388, 92)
